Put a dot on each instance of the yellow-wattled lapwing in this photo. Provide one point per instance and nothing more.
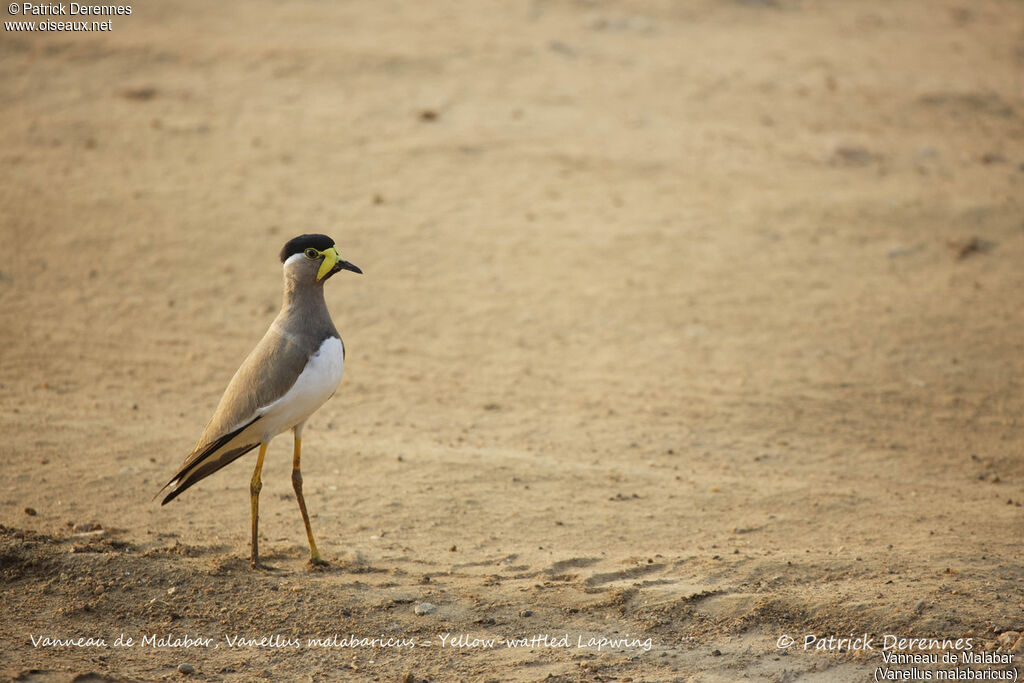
(294, 369)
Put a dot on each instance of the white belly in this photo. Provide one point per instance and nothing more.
(317, 383)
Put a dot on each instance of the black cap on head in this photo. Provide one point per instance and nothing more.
(299, 244)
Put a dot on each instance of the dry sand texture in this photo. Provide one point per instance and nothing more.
(694, 321)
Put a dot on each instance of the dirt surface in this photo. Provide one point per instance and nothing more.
(685, 326)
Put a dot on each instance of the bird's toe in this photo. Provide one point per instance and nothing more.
(260, 567)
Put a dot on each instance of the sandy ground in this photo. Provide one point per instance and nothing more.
(688, 326)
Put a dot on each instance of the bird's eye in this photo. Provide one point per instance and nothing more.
(312, 254)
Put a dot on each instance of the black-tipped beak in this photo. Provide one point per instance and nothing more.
(345, 265)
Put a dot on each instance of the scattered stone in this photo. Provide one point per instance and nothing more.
(897, 252)
(424, 608)
(852, 155)
(428, 115)
(561, 48)
(142, 94)
(186, 669)
(526, 613)
(636, 23)
(926, 153)
(963, 248)
(31, 512)
(969, 103)
(1007, 639)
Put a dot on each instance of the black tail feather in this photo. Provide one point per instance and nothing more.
(196, 465)
(206, 469)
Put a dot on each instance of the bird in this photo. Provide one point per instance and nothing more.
(291, 372)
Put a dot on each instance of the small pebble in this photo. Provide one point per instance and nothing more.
(851, 155)
(1006, 639)
(186, 669)
(899, 251)
(526, 613)
(31, 512)
(424, 608)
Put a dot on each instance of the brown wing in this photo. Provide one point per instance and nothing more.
(228, 436)
(200, 465)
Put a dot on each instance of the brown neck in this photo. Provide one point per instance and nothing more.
(299, 293)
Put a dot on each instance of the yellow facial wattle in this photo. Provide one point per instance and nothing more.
(331, 257)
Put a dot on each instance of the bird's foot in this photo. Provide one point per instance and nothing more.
(316, 562)
(260, 567)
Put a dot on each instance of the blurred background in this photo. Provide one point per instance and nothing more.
(646, 283)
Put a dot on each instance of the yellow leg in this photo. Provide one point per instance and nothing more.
(314, 554)
(254, 495)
